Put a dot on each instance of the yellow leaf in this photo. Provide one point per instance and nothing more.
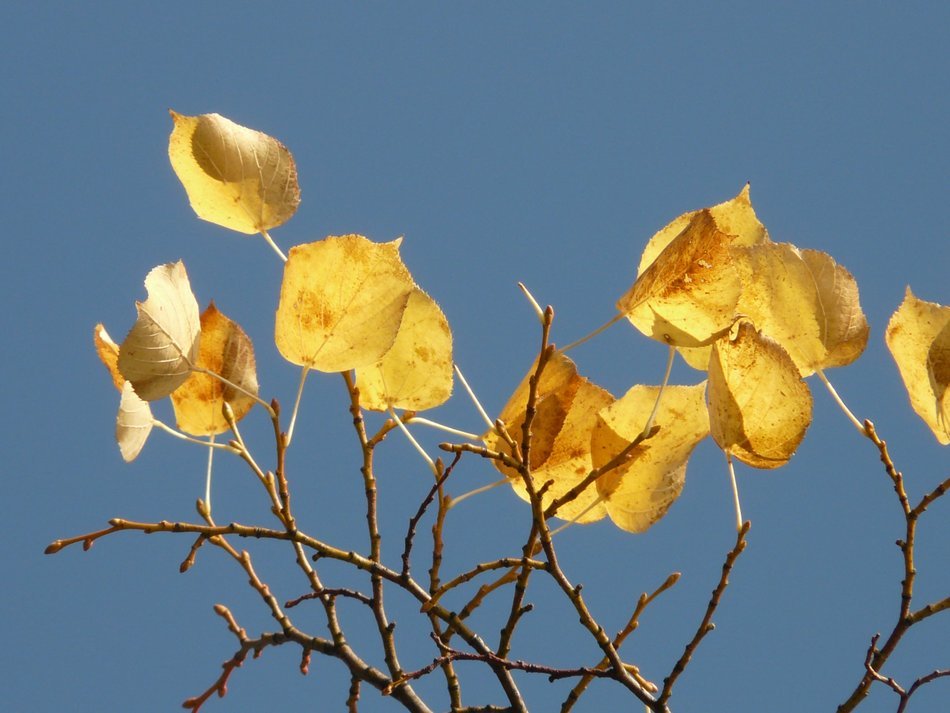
(805, 301)
(225, 350)
(235, 177)
(918, 336)
(341, 302)
(158, 352)
(567, 407)
(108, 353)
(133, 424)
(416, 373)
(759, 407)
(639, 492)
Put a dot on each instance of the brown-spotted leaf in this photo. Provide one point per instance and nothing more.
(805, 301)
(567, 407)
(640, 491)
(416, 373)
(918, 336)
(341, 302)
(759, 407)
(157, 354)
(108, 353)
(133, 423)
(225, 350)
(235, 177)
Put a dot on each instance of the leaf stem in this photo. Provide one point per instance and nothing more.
(236, 387)
(477, 491)
(834, 394)
(208, 476)
(534, 303)
(442, 427)
(659, 395)
(270, 241)
(293, 415)
(735, 492)
(178, 434)
(602, 328)
(471, 395)
(413, 441)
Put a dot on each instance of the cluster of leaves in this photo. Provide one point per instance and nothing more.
(757, 316)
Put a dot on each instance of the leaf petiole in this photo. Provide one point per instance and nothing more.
(270, 241)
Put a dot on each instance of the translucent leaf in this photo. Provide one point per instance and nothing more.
(918, 336)
(225, 350)
(341, 302)
(108, 353)
(805, 301)
(133, 423)
(416, 373)
(235, 177)
(567, 407)
(640, 491)
(158, 351)
(759, 408)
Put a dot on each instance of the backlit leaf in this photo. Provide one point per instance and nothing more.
(567, 407)
(108, 353)
(805, 301)
(918, 336)
(759, 407)
(416, 373)
(133, 423)
(234, 176)
(640, 491)
(158, 351)
(341, 302)
(225, 350)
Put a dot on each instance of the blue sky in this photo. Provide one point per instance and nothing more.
(541, 142)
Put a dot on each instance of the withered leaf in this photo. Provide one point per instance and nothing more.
(133, 423)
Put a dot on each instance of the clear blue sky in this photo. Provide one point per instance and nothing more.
(542, 142)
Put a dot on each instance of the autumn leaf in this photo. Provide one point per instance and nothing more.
(416, 372)
(108, 353)
(235, 177)
(640, 491)
(133, 423)
(158, 352)
(918, 336)
(805, 301)
(759, 407)
(341, 302)
(567, 407)
(226, 350)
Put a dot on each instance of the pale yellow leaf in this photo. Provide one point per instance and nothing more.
(341, 302)
(416, 373)
(759, 407)
(640, 491)
(157, 354)
(567, 407)
(234, 176)
(918, 336)
(133, 423)
(108, 353)
(805, 301)
(225, 350)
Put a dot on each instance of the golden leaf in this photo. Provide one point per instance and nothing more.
(640, 491)
(805, 301)
(158, 352)
(341, 302)
(416, 373)
(918, 336)
(225, 350)
(235, 177)
(759, 407)
(133, 423)
(108, 353)
(567, 406)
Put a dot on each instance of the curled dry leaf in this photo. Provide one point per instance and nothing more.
(687, 287)
(416, 372)
(918, 336)
(759, 407)
(640, 491)
(158, 352)
(805, 301)
(108, 353)
(341, 302)
(235, 177)
(133, 423)
(567, 407)
(225, 350)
